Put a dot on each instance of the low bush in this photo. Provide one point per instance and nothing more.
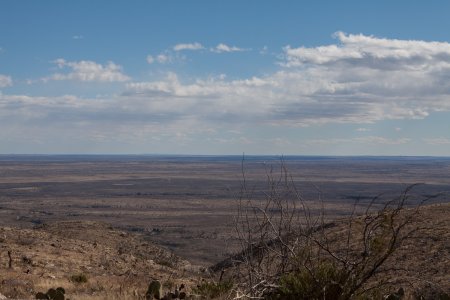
(288, 252)
(324, 282)
(79, 278)
(211, 290)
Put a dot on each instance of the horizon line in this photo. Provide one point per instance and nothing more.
(220, 155)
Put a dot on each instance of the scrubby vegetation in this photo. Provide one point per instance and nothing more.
(211, 289)
(289, 249)
(289, 253)
(79, 278)
(52, 294)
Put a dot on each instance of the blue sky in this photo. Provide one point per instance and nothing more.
(225, 77)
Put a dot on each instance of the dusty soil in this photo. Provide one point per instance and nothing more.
(422, 262)
(420, 265)
(120, 264)
(117, 264)
(60, 216)
(188, 204)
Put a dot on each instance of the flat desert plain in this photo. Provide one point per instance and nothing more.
(188, 203)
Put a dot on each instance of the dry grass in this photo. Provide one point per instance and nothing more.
(117, 265)
(420, 264)
(120, 265)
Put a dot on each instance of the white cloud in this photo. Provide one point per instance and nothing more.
(362, 129)
(379, 83)
(5, 81)
(85, 70)
(150, 59)
(382, 140)
(190, 46)
(220, 48)
(437, 141)
(370, 140)
(361, 79)
(263, 50)
(77, 37)
(164, 58)
(369, 51)
(67, 122)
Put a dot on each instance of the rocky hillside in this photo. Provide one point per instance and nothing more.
(89, 260)
(92, 260)
(419, 267)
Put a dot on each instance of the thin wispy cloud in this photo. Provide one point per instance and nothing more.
(221, 48)
(264, 50)
(150, 59)
(173, 54)
(5, 81)
(88, 71)
(164, 58)
(369, 140)
(437, 141)
(189, 46)
(362, 129)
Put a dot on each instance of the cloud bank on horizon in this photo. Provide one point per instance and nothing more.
(359, 80)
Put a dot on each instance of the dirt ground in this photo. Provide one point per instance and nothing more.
(117, 264)
(63, 215)
(188, 204)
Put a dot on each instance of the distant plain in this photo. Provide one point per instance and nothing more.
(188, 203)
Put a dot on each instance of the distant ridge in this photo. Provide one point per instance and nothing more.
(201, 157)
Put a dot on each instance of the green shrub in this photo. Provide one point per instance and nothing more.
(323, 282)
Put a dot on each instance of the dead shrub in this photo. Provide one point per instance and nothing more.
(288, 252)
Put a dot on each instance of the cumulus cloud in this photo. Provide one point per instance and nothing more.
(322, 90)
(361, 79)
(86, 70)
(190, 46)
(220, 48)
(371, 52)
(5, 81)
(372, 78)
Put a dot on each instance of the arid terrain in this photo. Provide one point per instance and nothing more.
(168, 217)
(116, 264)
